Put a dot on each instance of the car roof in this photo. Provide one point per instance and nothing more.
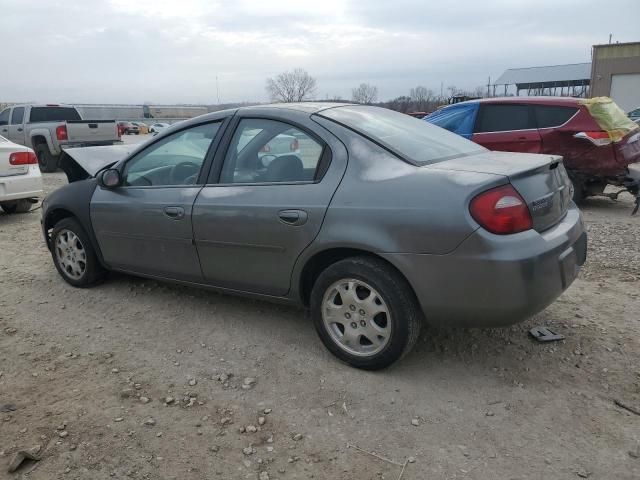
(562, 101)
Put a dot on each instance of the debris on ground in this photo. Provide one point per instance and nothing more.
(543, 335)
(22, 457)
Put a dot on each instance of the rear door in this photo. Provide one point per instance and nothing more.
(16, 127)
(256, 216)
(145, 225)
(507, 127)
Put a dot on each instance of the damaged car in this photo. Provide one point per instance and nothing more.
(373, 220)
(599, 144)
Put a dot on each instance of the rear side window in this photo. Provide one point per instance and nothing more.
(53, 114)
(269, 151)
(17, 116)
(500, 118)
(551, 116)
(4, 117)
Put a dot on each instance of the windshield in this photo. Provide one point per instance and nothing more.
(413, 140)
(53, 114)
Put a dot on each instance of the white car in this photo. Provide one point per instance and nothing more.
(20, 178)
(158, 127)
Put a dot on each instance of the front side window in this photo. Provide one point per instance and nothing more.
(174, 160)
(267, 151)
(416, 141)
(501, 118)
(17, 116)
(4, 116)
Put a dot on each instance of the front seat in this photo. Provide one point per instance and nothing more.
(287, 168)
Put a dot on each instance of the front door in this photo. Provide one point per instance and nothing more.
(275, 185)
(507, 128)
(144, 226)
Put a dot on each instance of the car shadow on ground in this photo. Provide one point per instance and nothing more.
(474, 351)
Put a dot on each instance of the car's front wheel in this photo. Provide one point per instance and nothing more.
(73, 254)
(365, 312)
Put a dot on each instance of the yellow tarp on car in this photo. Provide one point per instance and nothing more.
(610, 117)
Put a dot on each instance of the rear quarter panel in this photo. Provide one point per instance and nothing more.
(387, 205)
(579, 155)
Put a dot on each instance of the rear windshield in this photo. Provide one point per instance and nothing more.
(413, 140)
(53, 114)
(610, 117)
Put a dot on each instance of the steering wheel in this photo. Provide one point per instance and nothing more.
(184, 173)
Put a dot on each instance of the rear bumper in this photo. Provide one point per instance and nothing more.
(493, 280)
(17, 187)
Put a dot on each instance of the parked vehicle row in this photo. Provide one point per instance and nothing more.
(48, 129)
(596, 139)
(370, 218)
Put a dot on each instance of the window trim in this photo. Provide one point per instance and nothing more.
(215, 143)
(531, 115)
(213, 179)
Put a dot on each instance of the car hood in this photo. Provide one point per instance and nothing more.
(85, 162)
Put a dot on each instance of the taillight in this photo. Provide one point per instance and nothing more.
(61, 133)
(600, 138)
(266, 149)
(294, 145)
(501, 210)
(23, 158)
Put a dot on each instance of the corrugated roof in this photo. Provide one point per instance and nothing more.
(553, 73)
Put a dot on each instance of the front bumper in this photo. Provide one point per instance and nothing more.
(17, 187)
(492, 280)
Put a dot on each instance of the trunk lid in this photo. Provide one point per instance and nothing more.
(6, 149)
(541, 180)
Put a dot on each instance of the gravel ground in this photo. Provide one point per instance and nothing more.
(137, 379)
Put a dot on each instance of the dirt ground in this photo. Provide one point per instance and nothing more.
(255, 395)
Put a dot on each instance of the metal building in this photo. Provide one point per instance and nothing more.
(615, 73)
(557, 80)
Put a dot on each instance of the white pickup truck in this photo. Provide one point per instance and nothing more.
(49, 129)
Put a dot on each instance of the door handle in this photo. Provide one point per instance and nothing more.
(293, 217)
(20, 129)
(175, 213)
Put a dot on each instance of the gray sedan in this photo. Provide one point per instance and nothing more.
(374, 220)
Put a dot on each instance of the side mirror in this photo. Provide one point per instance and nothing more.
(110, 178)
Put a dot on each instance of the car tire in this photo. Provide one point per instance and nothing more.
(579, 191)
(16, 206)
(47, 162)
(381, 307)
(74, 256)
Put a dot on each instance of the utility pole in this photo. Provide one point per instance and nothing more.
(217, 90)
(610, 37)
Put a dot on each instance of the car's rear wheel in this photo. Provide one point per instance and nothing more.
(365, 312)
(47, 162)
(73, 255)
(17, 206)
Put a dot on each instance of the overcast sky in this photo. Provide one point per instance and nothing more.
(171, 51)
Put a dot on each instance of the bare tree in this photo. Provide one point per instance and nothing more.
(365, 93)
(293, 86)
(422, 97)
